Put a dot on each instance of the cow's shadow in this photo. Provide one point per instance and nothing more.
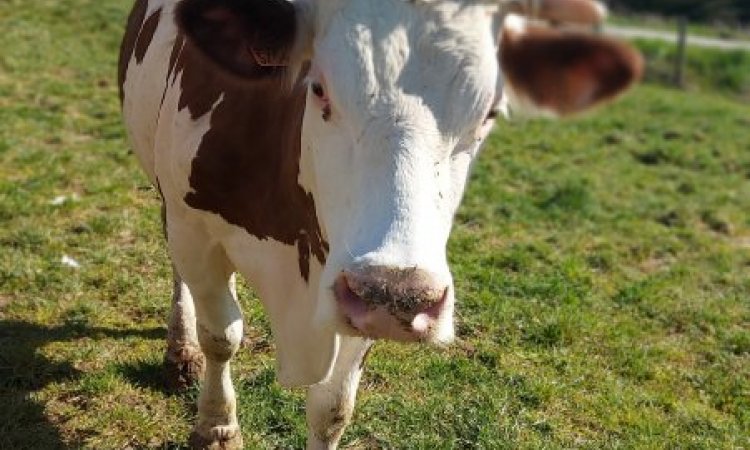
(24, 371)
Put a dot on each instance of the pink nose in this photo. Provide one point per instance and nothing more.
(391, 303)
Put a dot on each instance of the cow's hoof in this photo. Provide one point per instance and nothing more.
(183, 368)
(217, 438)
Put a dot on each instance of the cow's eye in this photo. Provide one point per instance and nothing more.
(484, 129)
(318, 91)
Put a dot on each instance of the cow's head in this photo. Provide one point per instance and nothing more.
(401, 96)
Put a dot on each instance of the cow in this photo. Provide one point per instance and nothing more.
(320, 148)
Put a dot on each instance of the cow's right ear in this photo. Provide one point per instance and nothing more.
(248, 38)
(563, 73)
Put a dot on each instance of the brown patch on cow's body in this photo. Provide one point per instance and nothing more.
(201, 84)
(247, 164)
(139, 32)
(146, 35)
(176, 51)
(127, 48)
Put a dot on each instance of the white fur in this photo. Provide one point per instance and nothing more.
(330, 404)
(410, 85)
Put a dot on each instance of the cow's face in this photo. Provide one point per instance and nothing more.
(401, 95)
(398, 106)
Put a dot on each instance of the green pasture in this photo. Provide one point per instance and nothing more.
(602, 267)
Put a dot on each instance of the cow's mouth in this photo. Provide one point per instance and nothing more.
(404, 315)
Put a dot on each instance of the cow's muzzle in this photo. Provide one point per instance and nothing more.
(391, 303)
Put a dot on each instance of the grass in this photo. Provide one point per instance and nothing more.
(602, 268)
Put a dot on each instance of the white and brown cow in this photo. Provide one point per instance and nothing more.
(320, 148)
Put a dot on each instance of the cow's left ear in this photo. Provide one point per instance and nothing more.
(249, 38)
(564, 72)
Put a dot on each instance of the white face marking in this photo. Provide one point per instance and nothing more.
(409, 85)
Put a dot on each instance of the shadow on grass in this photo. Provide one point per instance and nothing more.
(25, 371)
(146, 375)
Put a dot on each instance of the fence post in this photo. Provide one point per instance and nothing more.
(679, 70)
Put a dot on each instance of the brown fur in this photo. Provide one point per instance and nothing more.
(146, 36)
(247, 165)
(248, 38)
(127, 48)
(139, 33)
(567, 72)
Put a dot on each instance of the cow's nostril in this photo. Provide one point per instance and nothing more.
(402, 291)
(383, 302)
(423, 319)
(351, 303)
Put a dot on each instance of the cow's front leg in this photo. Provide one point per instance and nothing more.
(207, 273)
(219, 323)
(330, 404)
(183, 360)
